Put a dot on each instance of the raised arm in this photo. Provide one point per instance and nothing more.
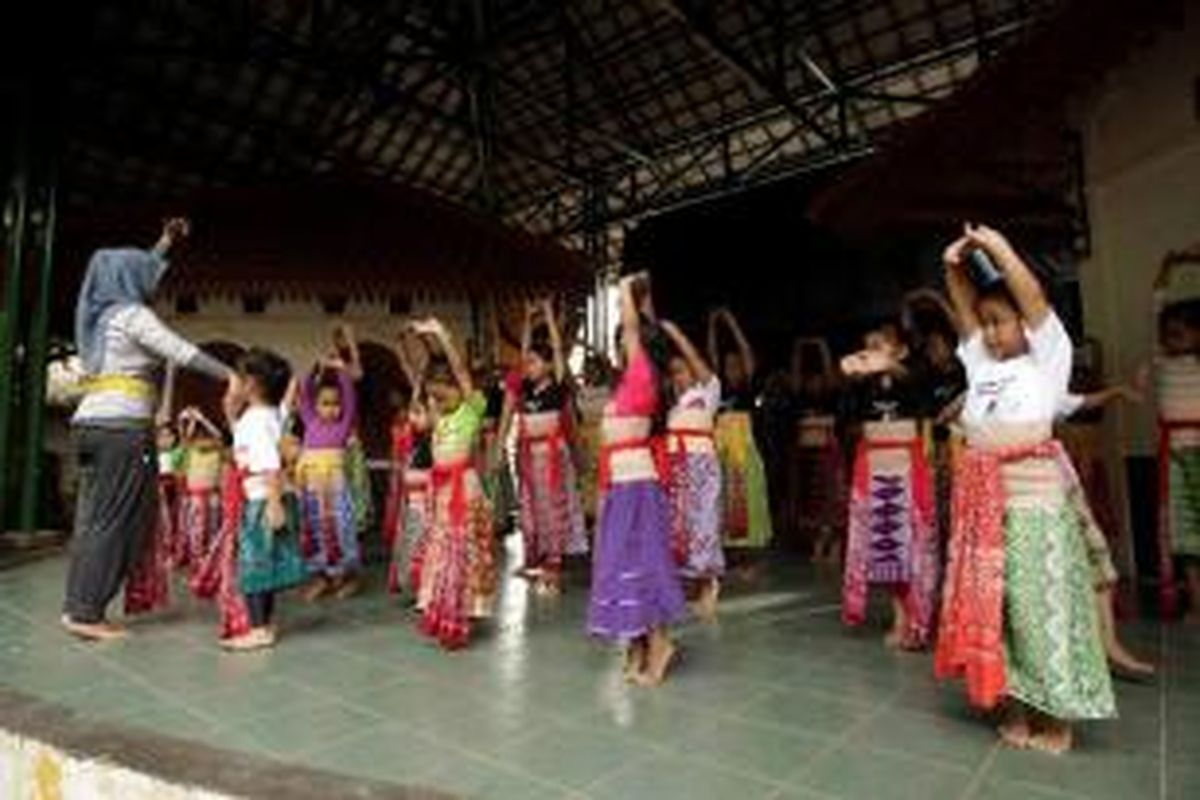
(1021, 281)
(344, 340)
(436, 329)
(527, 330)
(743, 344)
(345, 423)
(690, 354)
(411, 372)
(631, 323)
(307, 396)
(556, 344)
(962, 291)
(174, 230)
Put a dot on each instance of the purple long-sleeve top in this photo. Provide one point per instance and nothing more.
(319, 434)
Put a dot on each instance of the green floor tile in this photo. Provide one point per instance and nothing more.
(854, 771)
(956, 741)
(471, 778)
(1013, 790)
(675, 778)
(754, 749)
(1183, 778)
(807, 712)
(773, 702)
(1094, 773)
(570, 756)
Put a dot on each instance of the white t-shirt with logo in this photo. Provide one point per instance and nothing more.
(1027, 389)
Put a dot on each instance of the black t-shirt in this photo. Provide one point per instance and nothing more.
(739, 398)
(551, 397)
(881, 397)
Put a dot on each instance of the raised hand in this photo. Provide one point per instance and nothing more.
(176, 229)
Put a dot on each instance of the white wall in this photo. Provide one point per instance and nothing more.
(299, 330)
(1142, 163)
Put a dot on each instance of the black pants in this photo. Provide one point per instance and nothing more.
(261, 606)
(115, 515)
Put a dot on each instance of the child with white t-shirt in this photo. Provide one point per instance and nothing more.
(268, 554)
(1019, 618)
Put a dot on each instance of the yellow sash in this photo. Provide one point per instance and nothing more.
(128, 385)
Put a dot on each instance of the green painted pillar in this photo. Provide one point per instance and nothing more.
(35, 360)
(15, 223)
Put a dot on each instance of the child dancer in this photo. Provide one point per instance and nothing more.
(1178, 384)
(327, 409)
(892, 534)
(148, 585)
(818, 469)
(747, 511)
(636, 594)
(593, 397)
(695, 472)
(551, 517)
(458, 566)
(1019, 615)
(268, 555)
(200, 505)
(1104, 575)
(408, 504)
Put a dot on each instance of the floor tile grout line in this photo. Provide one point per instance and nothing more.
(980, 772)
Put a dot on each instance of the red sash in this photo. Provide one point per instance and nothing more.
(971, 634)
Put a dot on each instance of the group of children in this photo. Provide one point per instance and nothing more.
(281, 500)
(958, 501)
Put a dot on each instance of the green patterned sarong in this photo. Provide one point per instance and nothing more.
(269, 560)
(1054, 655)
(1185, 500)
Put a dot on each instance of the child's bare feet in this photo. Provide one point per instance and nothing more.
(347, 587)
(706, 603)
(102, 631)
(1053, 736)
(316, 589)
(660, 656)
(1014, 731)
(635, 660)
(256, 639)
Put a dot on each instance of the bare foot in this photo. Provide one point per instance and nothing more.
(658, 664)
(894, 639)
(316, 589)
(549, 587)
(706, 604)
(102, 631)
(1055, 738)
(1014, 731)
(256, 639)
(635, 661)
(348, 588)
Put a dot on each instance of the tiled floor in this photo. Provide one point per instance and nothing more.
(776, 702)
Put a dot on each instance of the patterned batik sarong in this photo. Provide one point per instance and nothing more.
(892, 536)
(746, 506)
(1019, 613)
